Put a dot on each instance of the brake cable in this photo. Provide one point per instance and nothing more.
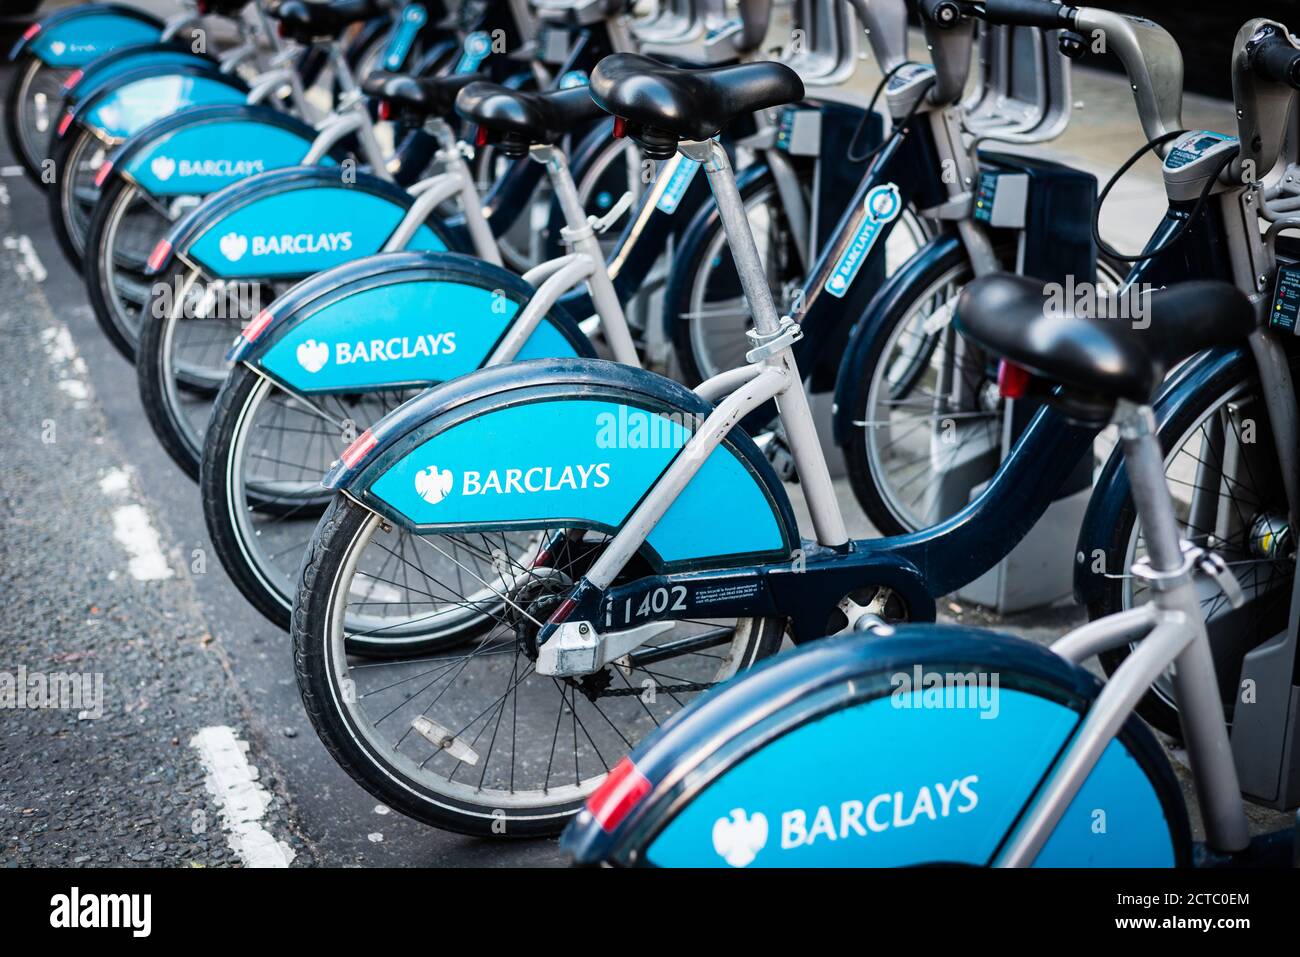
(871, 109)
(1181, 230)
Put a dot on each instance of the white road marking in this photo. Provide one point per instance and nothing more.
(243, 802)
(71, 368)
(115, 482)
(11, 171)
(133, 529)
(29, 263)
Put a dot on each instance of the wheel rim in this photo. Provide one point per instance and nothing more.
(913, 427)
(1221, 512)
(282, 446)
(134, 224)
(80, 194)
(192, 360)
(540, 743)
(39, 97)
(718, 313)
(931, 410)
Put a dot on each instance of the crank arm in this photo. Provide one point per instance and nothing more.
(575, 648)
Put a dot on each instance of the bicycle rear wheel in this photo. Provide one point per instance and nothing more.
(469, 737)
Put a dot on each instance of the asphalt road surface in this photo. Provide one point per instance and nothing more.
(186, 742)
(105, 570)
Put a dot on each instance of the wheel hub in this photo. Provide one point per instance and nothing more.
(531, 603)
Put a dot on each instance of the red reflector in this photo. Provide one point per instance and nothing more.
(1013, 381)
(31, 31)
(257, 326)
(103, 174)
(385, 110)
(159, 255)
(563, 612)
(622, 789)
(480, 137)
(355, 452)
(620, 127)
(65, 123)
(73, 79)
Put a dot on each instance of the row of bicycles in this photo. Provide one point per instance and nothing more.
(497, 334)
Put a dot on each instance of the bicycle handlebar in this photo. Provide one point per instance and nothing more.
(1273, 58)
(1019, 13)
(1030, 13)
(942, 13)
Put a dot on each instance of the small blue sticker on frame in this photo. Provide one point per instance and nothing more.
(679, 181)
(414, 17)
(882, 205)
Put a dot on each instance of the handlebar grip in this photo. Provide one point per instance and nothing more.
(942, 13)
(1030, 13)
(1277, 60)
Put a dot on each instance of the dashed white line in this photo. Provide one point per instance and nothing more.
(29, 264)
(115, 481)
(133, 529)
(62, 352)
(243, 802)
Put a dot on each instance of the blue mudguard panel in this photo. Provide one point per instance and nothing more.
(75, 37)
(159, 57)
(524, 448)
(920, 748)
(440, 317)
(559, 463)
(903, 781)
(293, 222)
(204, 150)
(138, 100)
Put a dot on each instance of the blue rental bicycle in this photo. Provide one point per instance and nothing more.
(166, 169)
(109, 109)
(641, 547)
(950, 745)
(279, 422)
(262, 234)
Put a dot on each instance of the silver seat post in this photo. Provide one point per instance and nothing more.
(1196, 688)
(773, 337)
(350, 97)
(580, 233)
(740, 237)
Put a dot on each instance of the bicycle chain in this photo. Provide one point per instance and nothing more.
(599, 687)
